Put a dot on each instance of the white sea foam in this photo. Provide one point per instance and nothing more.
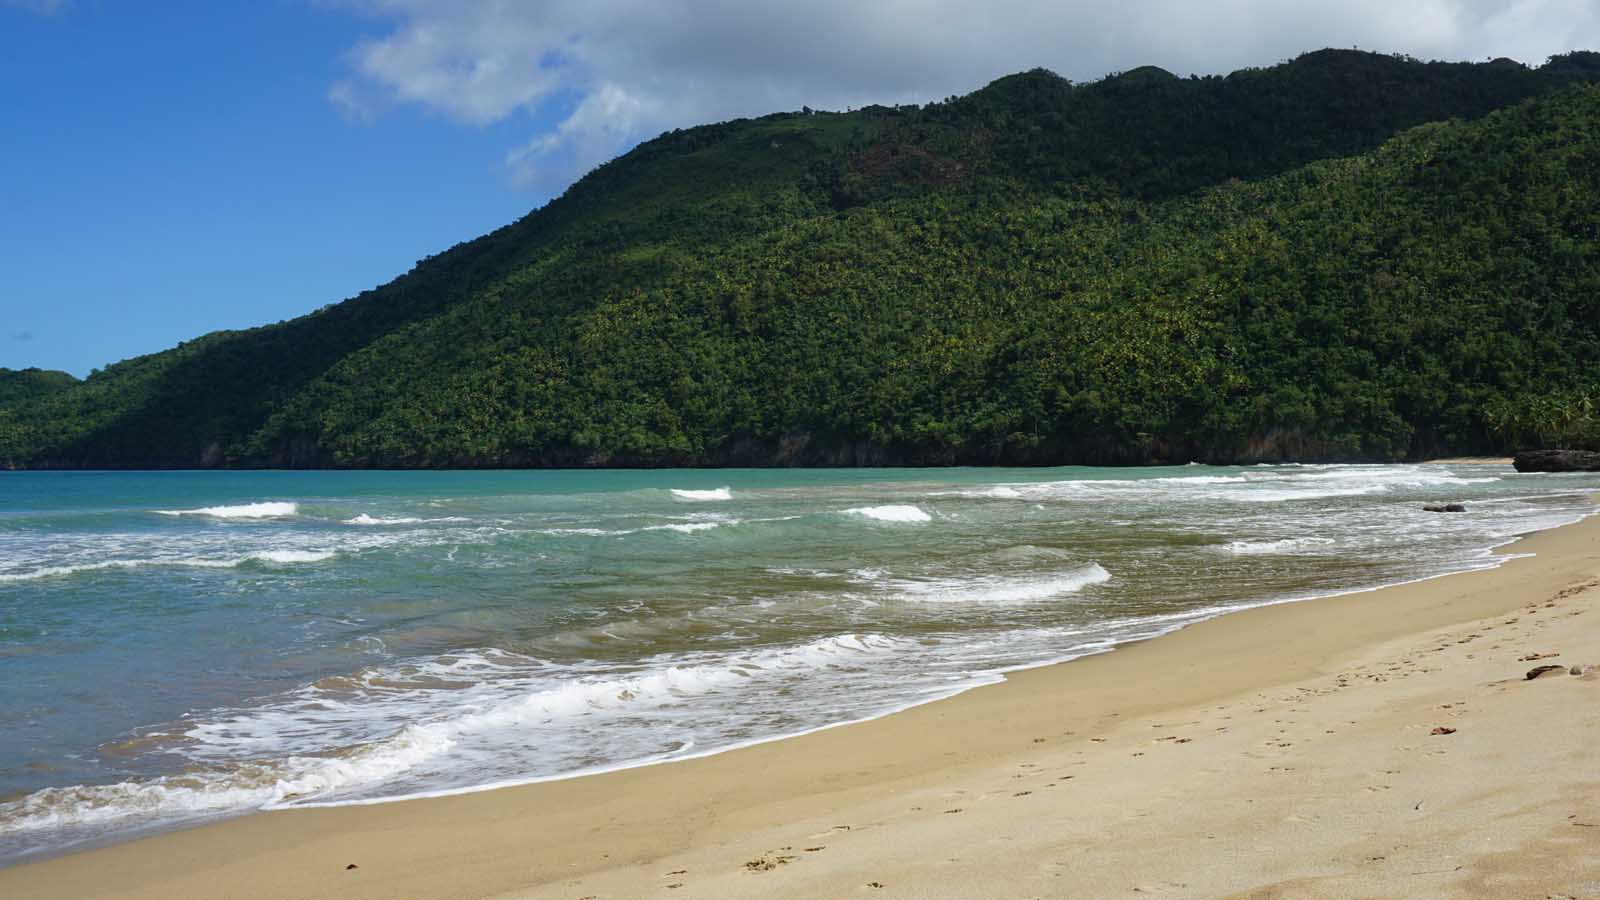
(236, 788)
(1262, 548)
(1196, 480)
(997, 492)
(190, 562)
(290, 556)
(1269, 495)
(364, 519)
(266, 510)
(60, 571)
(995, 589)
(585, 532)
(721, 493)
(432, 708)
(679, 527)
(893, 513)
(689, 527)
(1262, 484)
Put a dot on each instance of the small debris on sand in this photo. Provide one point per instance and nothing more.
(1443, 730)
(767, 863)
(1537, 671)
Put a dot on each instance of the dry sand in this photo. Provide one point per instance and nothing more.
(1280, 752)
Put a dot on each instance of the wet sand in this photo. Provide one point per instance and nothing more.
(1287, 751)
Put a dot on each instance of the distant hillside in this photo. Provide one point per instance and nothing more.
(1276, 264)
(22, 385)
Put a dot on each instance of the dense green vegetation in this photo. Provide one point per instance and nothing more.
(1348, 256)
(22, 385)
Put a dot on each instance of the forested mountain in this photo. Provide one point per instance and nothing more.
(1346, 256)
(20, 385)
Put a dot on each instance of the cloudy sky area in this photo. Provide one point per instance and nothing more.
(633, 68)
(187, 166)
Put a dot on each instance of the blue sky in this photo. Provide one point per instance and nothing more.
(172, 173)
(176, 167)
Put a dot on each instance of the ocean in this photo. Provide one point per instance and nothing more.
(177, 647)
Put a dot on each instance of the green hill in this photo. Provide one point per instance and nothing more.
(1347, 256)
(22, 385)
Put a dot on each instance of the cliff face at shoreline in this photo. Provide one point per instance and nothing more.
(1345, 257)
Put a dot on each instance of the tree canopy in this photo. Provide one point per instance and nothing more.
(1346, 256)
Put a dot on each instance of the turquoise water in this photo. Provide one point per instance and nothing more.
(180, 646)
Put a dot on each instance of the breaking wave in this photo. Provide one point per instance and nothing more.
(995, 589)
(260, 556)
(1262, 548)
(893, 513)
(364, 519)
(426, 716)
(267, 510)
(721, 493)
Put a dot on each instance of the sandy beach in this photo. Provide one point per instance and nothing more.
(1379, 744)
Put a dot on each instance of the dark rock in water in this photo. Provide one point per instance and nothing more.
(1445, 507)
(1557, 461)
(1537, 671)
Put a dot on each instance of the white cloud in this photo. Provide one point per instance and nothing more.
(629, 69)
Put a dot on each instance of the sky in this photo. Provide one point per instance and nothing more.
(175, 167)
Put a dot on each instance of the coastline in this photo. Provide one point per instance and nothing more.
(969, 771)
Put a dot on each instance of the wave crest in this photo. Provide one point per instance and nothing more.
(182, 562)
(691, 496)
(1265, 548)
(365, 519)
(995, 589)
(892, 513)
(274, 509)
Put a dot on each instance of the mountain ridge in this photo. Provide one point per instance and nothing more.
(667, 244)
